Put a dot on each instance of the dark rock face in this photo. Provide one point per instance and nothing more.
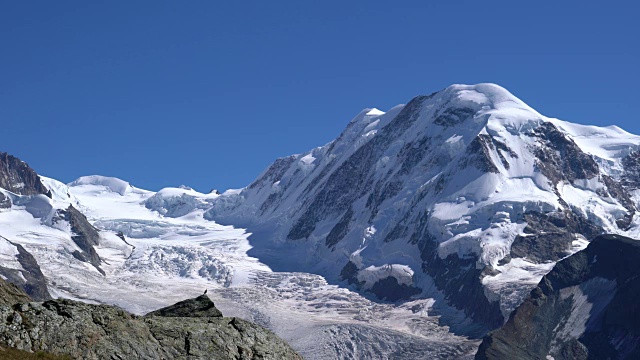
(559, 158)
(390, 290)
(274, 172)
(387, 289)
(11, 294)
(458, 278)
(453, 116)
(84, 331)
(548, 237)
(31, 279)
(17, 177)
(339, 230)
(350, 273)
(479, 152)
(631, 177)
(201, 306)
(353, 177)
(412, 153)
(5, 202)
(617, 191)
(84, 235)
(585, 308)
(461, 281)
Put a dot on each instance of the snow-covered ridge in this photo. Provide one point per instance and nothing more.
(177, 202)
(112, 184)
(462, 198)
(153, 255)
(469, 173)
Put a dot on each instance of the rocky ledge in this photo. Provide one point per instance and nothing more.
(585, 308)
(191, 329)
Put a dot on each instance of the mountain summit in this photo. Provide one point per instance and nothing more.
(468, 189)
(448, 210)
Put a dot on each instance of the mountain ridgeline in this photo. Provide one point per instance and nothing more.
(468, 190)
(585, 308)
(448, 210)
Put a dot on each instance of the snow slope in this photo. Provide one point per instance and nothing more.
(461, 178)
(415, 226)
(154, 256)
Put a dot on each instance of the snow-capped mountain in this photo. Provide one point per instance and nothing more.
(101, 240)
(468, 189)
(443, 211)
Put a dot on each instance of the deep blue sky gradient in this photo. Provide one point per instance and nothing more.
(204, 93)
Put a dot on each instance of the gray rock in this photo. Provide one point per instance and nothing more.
(631, 176)
(85, 235)
(201, 306)
(617, 191)
(17, 177)
(5, 202)
(585, 308)
(11, 294)
(548, 237)
(354, 176)
(453, 116)
(85, 331)
(274, 172)
(30, 279)
(559, 158)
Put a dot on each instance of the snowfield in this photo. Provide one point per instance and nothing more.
(461, 200)
(460, 167)
(166, 258)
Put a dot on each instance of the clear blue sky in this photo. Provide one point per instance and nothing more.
(209, 93)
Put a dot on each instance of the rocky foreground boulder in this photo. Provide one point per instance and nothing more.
(587, 307)
(191, 329)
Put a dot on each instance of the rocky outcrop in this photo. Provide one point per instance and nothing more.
(585, 308)
(5, 202)
(548, 237)
(85, 235)
(355, 176)
(461, 281)
(201, 306)
(17, 177)
(631, 177)
(11, 294)
(468, 187)
(30, 277)
(192, 329)
(559, 158)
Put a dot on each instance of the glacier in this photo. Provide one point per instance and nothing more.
(414, 232)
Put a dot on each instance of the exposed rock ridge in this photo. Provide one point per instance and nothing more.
(85, 331)
(347, 183)
(201, 306)
(585, 308)
(455, 185)
(11, 294)
(30, 278)
(85, 235)
(16, 176)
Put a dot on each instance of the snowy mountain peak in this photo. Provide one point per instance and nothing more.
(486, 94)
(461, 199)
(469, 177)
(109, 183)
(375, 112)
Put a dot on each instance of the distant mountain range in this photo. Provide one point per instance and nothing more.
(452, 207)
